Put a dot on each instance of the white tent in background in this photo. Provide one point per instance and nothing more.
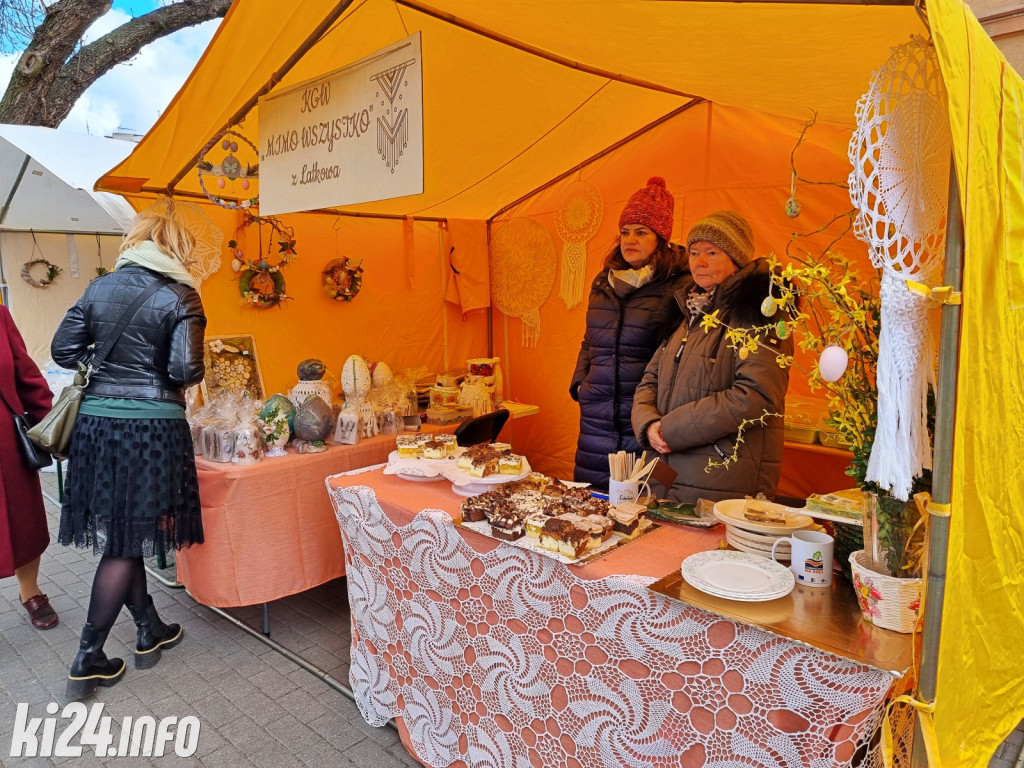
(48, 210)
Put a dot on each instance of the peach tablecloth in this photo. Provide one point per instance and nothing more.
(269, 529)
(812, 468)
(488, 654)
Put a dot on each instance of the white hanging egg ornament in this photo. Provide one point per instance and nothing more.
(832, 363)
(355, 377)
(768, 306)
(236, 265)
(382, 374)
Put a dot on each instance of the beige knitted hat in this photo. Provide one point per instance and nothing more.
(729, 231)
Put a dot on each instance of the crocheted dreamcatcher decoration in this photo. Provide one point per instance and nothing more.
(900, 152)
(576, 221)
(523, 264)
(230, 170)
(205, 258)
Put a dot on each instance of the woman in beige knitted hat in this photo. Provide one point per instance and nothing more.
(698, 389)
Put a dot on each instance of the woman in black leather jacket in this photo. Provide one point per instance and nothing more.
(131, 487)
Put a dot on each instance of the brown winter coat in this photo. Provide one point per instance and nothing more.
(23, 532)
(701, 391)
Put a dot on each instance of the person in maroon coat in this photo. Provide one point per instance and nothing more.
(23, 532)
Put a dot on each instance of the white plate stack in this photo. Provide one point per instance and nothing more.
(757, 537)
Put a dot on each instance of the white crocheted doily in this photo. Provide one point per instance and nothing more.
(900, 154)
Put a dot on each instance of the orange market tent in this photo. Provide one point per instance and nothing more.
(522, 97)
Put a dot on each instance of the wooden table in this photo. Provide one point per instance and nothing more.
(488, 654)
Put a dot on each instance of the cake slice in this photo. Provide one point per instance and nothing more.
(565, 538)
(759, 511)
(407, 446)
(434, 449)
(510, 464)
(627, 517)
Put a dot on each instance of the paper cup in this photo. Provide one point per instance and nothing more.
(811, 561)
(621, 491)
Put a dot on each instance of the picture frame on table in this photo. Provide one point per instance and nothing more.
(232, 364)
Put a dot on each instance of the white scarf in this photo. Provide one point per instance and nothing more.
(625, 281)
(147, 254)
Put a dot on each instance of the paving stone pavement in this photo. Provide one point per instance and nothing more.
(255, 706)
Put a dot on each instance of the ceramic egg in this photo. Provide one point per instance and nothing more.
(382, 374)
(355, 377)
(236, 265)
(832, 363)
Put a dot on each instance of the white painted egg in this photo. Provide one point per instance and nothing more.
(355, 377)
(236, 265)
(832, 363)
(382, 374)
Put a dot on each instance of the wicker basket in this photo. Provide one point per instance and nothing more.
(884, 600)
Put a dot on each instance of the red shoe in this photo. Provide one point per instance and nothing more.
(40, 612)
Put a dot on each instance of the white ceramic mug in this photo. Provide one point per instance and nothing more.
(811, 561)
(621, 491)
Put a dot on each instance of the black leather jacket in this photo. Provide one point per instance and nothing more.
(161, 349)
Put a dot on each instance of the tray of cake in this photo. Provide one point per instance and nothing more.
(479, 467)
(422, 456)
(559, 520)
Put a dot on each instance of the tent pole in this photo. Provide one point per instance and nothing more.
(14, 188)
(597, 156)
(533, 50)
(942, 462)
(297, 54)
(490, 309)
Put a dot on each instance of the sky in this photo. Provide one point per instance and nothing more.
(132, 95)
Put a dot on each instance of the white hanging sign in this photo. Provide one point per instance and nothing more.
(350, 136)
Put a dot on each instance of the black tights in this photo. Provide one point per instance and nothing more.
(118, 581)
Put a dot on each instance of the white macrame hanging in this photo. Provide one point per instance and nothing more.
(205, 259)
(523, 264)
(900, 152)
(576, 221)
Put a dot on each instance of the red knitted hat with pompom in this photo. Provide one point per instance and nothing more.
(651, 206)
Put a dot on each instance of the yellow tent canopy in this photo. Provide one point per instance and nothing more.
(521, 96)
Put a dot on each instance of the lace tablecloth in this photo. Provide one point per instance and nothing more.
(505, 658)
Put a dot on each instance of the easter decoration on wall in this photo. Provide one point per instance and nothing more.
(231, 171)
(342, 279)
(260, 280)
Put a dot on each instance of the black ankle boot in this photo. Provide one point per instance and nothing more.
(153, 636)
(91, 667)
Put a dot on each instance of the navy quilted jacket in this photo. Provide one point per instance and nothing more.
(621, 336)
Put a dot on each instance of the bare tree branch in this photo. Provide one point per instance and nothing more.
(51, 76)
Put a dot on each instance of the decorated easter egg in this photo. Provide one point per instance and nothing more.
(311, 370)
(382, 374)
(832, 363)
(314, 419)
(355, 377)
(282, 404)
(236, 265)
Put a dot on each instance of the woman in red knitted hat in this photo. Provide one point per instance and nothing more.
(630, 312)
